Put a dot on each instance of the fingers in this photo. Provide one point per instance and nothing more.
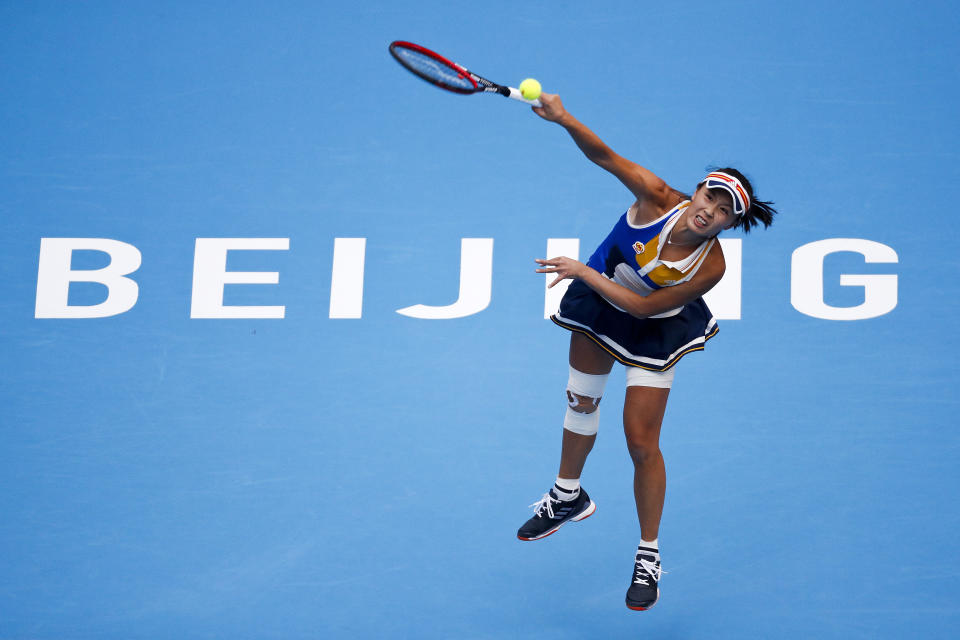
(553, 266)
(552, 108)
(553, 262)
(564, 268)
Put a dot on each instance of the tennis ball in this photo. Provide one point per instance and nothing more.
(530, 89)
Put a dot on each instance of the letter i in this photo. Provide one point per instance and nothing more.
(346, 284)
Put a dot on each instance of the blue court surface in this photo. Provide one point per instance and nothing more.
(214, 423)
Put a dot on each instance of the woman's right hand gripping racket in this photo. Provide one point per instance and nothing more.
(448, 75)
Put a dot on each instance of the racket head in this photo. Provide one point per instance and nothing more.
(433, 67)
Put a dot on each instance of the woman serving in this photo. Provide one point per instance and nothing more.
(637, 301)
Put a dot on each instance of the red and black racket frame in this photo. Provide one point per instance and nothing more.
(480, 84)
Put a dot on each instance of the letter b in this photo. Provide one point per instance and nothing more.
(55, 275)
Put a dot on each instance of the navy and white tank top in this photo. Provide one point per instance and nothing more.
(630, 256)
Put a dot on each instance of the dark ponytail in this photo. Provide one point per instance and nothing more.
(760, 211)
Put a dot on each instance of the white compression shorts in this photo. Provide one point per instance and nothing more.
(637, 377)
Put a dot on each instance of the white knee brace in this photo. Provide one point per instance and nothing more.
(591, 386)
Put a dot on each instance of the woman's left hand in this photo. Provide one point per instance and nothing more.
(564, 268)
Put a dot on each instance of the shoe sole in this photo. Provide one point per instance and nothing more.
(589, 511)
(649, 606)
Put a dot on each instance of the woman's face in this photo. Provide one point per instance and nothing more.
(710, 212)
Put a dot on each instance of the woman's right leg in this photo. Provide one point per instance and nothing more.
(565, 502)
(588, 358)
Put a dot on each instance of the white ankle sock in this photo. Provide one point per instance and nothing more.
(650, 544)
(567, 489)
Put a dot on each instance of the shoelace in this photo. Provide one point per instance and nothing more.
(544, 504)
(645, 569)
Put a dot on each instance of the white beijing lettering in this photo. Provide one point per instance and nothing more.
(557, 247)
(476, 277)
(724, 299)
(346, 283)
(806, 280)
(55, 275)
(210, 275)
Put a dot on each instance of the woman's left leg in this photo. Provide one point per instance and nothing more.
(643, 412)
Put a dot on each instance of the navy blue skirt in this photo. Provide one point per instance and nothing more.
(655, 344)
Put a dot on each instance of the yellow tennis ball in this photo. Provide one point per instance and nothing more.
(530, 89)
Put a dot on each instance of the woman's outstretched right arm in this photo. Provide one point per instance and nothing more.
(641, 182)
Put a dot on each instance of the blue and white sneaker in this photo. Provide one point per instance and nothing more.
(550, 513)
(644, 589)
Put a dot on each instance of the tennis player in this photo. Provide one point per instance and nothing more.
(637, 301)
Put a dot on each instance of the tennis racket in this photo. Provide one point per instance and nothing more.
(440, 72)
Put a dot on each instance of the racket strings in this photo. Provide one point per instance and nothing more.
(433, 70)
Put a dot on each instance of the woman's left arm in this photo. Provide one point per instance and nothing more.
(633, 303)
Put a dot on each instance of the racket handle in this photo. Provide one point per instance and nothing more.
(516, 95)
